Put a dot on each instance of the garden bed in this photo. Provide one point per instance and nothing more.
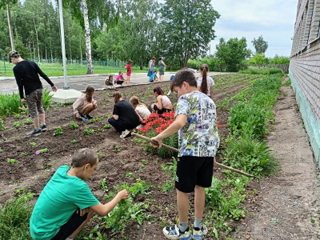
(120, 160)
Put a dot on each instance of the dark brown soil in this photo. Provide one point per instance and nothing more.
(33, 171)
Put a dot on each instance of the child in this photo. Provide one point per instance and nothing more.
(163, 103)
(153, 77)
(141, 109)
(120, 79)
(66, 203)
(84, 105)
(205, 83)
(171, 78)
(123, 117)
(128, 67)
(109, 83)
(198, 140)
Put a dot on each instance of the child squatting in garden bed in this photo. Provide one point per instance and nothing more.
(84, 105)
(66, 203)
(196, 124)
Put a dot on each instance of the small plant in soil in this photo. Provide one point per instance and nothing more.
(44, 150)
(129, 175)
(33, 144)
(99, 154)
(1, 150)
(2, 127)
(88, 131)
(28, 121)
(274, 220)
(17, 124)
(58, 131)
(93, 120)
(144, 162)
(107, 126)
(73, 125)
(25, 154)
(11, 160)
(117, 148)
(47, 165)
(107, 115)
(17, 115)
(104, 185)
(73, 141)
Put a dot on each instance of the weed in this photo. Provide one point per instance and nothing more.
(129, 174)
(73, 141)
(171, 173)
(11, 160)
(287, 83)
(47, 165)
(58, 131)
(15, 216)
(2, 127)
(73, 125)
(28, 121)
(104, 185)
(17, 124)
(33, 144)
(99, 154)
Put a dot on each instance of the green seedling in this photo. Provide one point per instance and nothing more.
(107, 126)
(11, 160)
(88, 131)
(17, 124)
(45, 150)
(58, 131)
(28, 121)
(25, 154)
(73, 141)
(129, 174)
(117, 148)
(73, 125)
(33, 144)
(1, 150)
(144, 162)
(99, 154)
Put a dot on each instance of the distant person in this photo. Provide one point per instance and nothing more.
(124, 116)
(140, 108)
(27, 78)
(109, 83)
(128, 67)
(161, 68)
(169, 93)
(163, 103)
(84, 105)
(151, 66)
(205, 83)
(120, 78)
(66, 203)
(153, 77)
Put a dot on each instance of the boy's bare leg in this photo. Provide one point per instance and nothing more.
(183, 206)
(42, 118)
(36, 123)
(199, 201)
(76, 232)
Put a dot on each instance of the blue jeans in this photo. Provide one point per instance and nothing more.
(119, 125)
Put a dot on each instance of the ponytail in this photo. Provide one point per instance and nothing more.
(117, 96)
(204, 85)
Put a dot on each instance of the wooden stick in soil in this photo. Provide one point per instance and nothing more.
(177, 150)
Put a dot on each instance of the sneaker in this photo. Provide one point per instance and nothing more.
(34, 132)
(173, 232)
(199, 233)
(88, 116)
(44, 127)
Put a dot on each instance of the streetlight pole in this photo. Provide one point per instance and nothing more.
(63, 48)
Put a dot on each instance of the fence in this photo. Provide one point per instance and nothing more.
(72, 65)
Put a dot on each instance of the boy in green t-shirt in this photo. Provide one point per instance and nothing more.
(66, 203)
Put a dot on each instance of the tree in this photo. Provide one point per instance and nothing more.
(188, 27)
(260, 45)
(232, 53)
(6, 3)
(258, 59)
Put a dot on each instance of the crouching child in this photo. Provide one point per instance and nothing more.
(66, 203)
(198, 141)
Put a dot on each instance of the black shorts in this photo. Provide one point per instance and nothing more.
(74, 222)
(119, 82)
(192, 171)
(163, 110)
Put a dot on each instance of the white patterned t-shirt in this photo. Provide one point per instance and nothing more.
(199, 137)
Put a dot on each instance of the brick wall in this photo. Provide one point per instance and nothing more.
(305, 54)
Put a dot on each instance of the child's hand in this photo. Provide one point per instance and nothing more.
(123, 194)
(156, 142)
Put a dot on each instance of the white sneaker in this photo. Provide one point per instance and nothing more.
(199, 233)
(173, 232)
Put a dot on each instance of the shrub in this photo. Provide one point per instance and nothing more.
(46, 99)
(249, 155)
(14, 218)
(9, 103)
(275, 71)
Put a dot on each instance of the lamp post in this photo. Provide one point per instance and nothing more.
(63, 48)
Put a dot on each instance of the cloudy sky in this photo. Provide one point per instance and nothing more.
(273, 19)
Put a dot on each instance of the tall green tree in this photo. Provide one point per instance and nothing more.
(6, 4)
(232, 53)
(260, 45)
(188, 26)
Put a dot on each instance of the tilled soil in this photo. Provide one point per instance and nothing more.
(33, 171)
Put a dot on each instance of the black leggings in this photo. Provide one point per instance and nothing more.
(163, 110)
(120, 125)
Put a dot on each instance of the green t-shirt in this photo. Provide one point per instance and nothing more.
(60, 198)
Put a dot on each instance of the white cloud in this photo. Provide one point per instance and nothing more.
(272, 19)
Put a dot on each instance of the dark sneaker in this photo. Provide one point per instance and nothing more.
(88, 116)
(35, 132)
(173, 232)
(44, 127)
(199, 233)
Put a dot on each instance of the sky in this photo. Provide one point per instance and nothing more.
(273, 19)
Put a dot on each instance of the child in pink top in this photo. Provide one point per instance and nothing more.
(128, 67)
(120, 79)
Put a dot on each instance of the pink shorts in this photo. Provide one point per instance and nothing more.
(128, 74)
